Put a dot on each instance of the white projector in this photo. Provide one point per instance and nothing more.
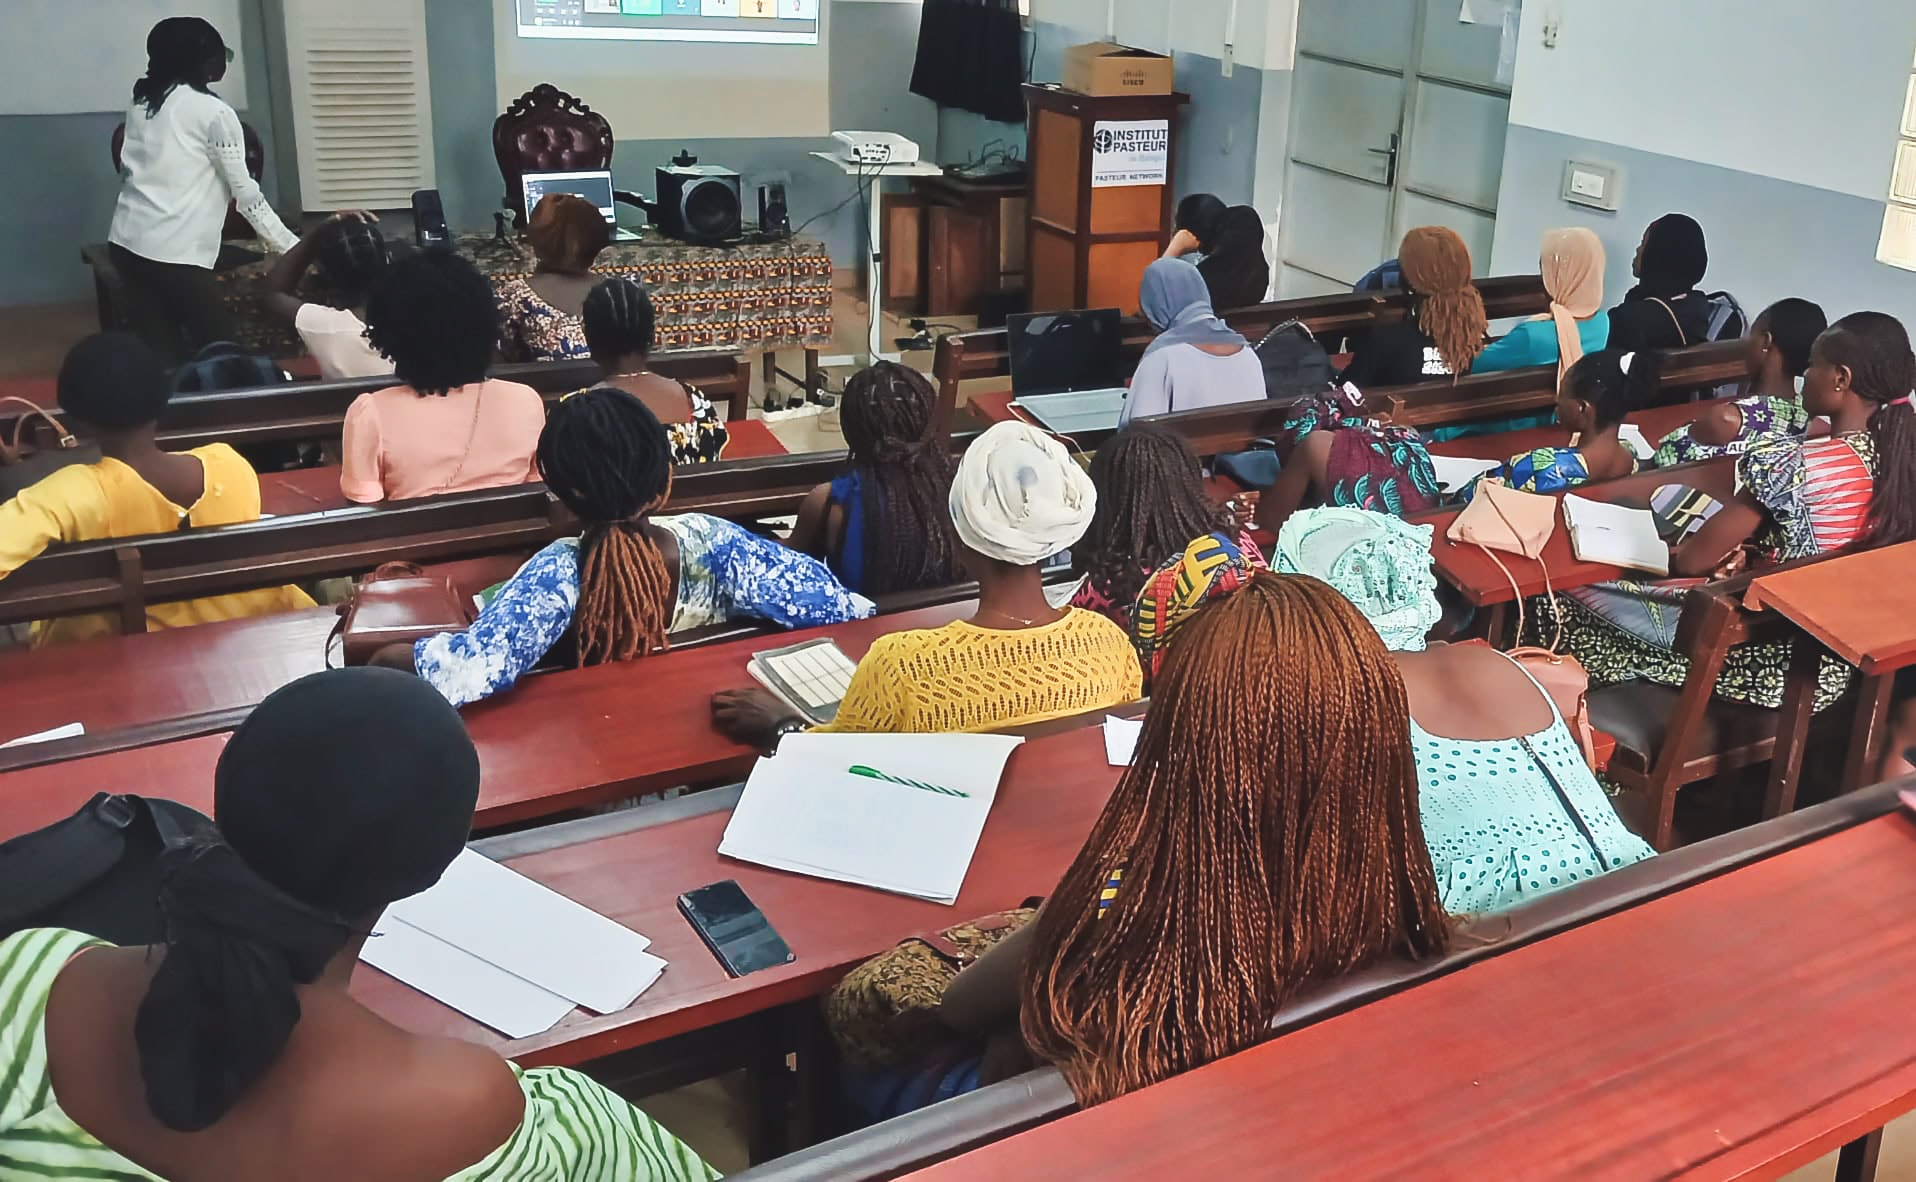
(875, 147)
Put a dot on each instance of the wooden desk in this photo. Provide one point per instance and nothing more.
(1735, 1029)
(1053, 791)
(1654, 423)
(314, 490)
(1862, 607)
(559, 741)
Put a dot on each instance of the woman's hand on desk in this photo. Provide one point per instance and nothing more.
(754, 717)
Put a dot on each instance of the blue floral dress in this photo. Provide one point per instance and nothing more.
(1544, 470)
(725, 572)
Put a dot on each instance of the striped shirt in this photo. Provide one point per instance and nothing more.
(1836, 489)
(574, 1129)
(1816, 492)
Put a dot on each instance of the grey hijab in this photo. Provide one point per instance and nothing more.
(1177, 302)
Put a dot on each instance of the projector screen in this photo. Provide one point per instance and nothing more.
(674, 69)
(763, 22)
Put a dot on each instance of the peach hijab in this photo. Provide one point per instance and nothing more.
(1572, 264)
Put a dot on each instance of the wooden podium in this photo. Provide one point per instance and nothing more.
(1087, 244)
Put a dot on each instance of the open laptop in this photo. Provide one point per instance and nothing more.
(595, 186)
(1067, 368)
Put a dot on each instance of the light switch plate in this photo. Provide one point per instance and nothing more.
(1594, 185)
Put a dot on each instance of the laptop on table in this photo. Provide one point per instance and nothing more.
(595, 186)
(1067, 368)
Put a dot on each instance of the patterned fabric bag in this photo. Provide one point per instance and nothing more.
(885, 1012)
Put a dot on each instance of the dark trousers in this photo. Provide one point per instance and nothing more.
(175, 307)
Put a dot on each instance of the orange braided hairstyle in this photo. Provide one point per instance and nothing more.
(605, 456)
(1436, 264)
(1268, 835)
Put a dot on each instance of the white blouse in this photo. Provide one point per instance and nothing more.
(181, 167)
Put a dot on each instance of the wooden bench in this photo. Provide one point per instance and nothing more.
(964, 357)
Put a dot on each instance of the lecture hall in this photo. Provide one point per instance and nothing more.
(849, 590)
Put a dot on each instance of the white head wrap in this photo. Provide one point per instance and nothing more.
(1019, 497)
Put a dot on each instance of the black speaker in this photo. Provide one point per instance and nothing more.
(429, 219)
(700, 203)
(774, 218)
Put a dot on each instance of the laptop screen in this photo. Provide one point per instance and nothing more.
(1058, 351)
(595, 187)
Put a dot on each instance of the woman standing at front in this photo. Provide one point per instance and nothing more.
(184, 159)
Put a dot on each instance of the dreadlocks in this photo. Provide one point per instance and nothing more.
(1151, 504)
(1268, 837)
(606, 458)
(904, 480)
(1449, 309)
(1874, 347)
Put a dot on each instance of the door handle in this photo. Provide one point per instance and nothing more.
(1390, 162)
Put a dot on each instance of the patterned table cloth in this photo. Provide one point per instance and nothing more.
(749, 298)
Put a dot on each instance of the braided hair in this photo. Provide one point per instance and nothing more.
(606, 458)
(353, 255)
(1613, 392)
(619, 321)
(1874, 347)
(904, 480)
(1151, 504)
(1268, 837)
(435, 317)
(1449, 308)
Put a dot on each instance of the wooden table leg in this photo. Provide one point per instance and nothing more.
(1793, 727)
(1866, 734)
(1857, 1161)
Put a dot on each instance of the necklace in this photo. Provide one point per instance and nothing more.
(992, 611)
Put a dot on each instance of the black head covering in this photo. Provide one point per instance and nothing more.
(1674, 257)
(342, 793)
(178, 52)
(1234, 265)
(1200, 213)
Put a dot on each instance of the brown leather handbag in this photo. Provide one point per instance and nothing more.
(22, 466)
(397, 604)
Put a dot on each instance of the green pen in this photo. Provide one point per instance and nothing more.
(871, 773)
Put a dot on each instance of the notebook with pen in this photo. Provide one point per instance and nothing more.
(1616, 535)
(811, 677)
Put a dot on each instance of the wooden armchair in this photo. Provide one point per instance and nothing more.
(548, 130)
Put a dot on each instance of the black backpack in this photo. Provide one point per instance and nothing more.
(98, 871)
(223, 365)
(1295, 365)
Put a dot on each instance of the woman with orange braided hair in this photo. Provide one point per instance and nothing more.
(633, 578)
(1266, 837)
(1446, 328)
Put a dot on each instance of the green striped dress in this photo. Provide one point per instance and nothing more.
(574, 1129)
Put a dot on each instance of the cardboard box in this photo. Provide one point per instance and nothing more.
(1104, 68)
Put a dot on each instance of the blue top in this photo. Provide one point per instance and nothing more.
(725, 572)
(849, 563)
(1497, 831)
(1534, 342)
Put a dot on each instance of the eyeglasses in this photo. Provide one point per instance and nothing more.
(230, 55)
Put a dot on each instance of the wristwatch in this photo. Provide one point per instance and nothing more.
(790, 726)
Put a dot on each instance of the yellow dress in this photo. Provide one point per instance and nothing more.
(89, 502)
(965, 678)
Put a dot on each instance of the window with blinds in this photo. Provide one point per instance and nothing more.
(1898, 247)
(362, 101)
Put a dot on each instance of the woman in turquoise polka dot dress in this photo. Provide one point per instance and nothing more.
(1510, 809)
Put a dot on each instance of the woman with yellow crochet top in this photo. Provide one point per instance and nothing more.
(113, 389)
(1018, 499)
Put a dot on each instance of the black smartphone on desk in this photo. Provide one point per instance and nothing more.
(736, 931)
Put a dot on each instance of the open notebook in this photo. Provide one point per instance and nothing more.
(1615, 534)
(811, 677)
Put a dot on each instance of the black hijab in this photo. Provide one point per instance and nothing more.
(1674, 258)
(342, 793)
(1234, 265)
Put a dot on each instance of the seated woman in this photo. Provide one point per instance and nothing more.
(1599, 391)
(885, 525)
(1665, 310)
(1510, 809)
(1334, 453)
(633, 578)
(1196, 359)
(1151, 504)
(352, 255)
(1018, 499)
(540, 316)
(1264, 839)
(1572, 267)
(448, 428)
(1229, 243)
(1793, 498)
(618, 323)
(113, 389)
(1778, 353)
(236, 1049)
(1444, 330)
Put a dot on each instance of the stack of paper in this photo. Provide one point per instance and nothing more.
(504, 950)
(1454, 472)
(900, 813)
(1615, 534)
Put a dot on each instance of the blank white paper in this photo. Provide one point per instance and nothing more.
(71, 730)
(1454, 472)
(1639, 444)
(1121, 739)
(508, 920)
(483, 992)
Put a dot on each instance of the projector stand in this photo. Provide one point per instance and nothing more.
(873, 175)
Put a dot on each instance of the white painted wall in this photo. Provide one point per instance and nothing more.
(1182, 26)
(1800, 91)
